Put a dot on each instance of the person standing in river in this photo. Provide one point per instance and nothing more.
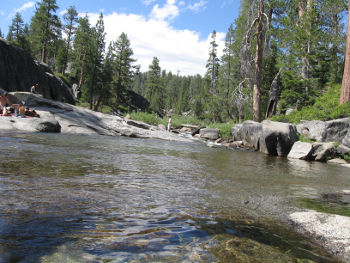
(169, 123)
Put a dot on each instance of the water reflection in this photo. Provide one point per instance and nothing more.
(106, 199)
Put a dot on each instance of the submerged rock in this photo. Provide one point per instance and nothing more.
(330, 231)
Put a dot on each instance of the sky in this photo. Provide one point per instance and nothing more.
(177, 32)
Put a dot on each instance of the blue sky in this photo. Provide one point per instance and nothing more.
(175, 31)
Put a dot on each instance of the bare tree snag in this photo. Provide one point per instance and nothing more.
(345, 87)
(273, 96)
(258, 64)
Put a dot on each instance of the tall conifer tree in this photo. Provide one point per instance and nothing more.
(45, 28)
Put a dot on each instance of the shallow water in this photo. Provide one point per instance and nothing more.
(115, 199)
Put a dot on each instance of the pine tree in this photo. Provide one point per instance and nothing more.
(212, 77)
(226, 73)
(82, 50)
(45, 29)
(70, 18)
(154, 91)
(123, 67)
(16, 29)
(98, 50)
(18, 33)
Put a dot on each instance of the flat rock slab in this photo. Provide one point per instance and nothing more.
(330, 231)
(29, 124)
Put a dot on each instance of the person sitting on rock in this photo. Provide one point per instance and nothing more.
(33, 89)
(31, 113)
(4, 104)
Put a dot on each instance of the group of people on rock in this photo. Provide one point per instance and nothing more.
(14, 109)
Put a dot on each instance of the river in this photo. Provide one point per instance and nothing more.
(68, 198)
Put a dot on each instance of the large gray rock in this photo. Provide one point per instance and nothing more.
(273, 138)
(312, 151)
(209, 133)
(312, 130)
(250, 133)
(346, 140)
(19, 71)
(277, 138)
(325, 131)
(336, 130)
(330, 231)
(301, 150)
(323, 151)
(341, 149)
(236, 132)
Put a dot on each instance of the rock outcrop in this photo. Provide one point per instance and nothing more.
(325, 131)
(19, 71)
(77, 120)
(346, 140)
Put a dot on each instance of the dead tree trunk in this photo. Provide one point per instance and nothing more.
(258, 64)
(304, 13)
(273, 96)
(345, 87)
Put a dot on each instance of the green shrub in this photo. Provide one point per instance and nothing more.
(326, 107)
(149, 118)
(346, 156)
(224, 128)
(64, 78)
(303, 139)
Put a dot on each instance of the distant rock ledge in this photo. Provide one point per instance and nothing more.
(68, 119)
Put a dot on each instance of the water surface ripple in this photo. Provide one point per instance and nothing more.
(114, 199)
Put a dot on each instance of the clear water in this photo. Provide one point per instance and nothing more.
(114, 199)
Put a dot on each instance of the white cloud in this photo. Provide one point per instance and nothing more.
(198, 6)
(177, 50)
(25, 6)
(2, 12)
(63, 12)
(148, 2)
(169, 11)
(226, 2)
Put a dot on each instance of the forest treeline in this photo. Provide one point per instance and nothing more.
(278, 54)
